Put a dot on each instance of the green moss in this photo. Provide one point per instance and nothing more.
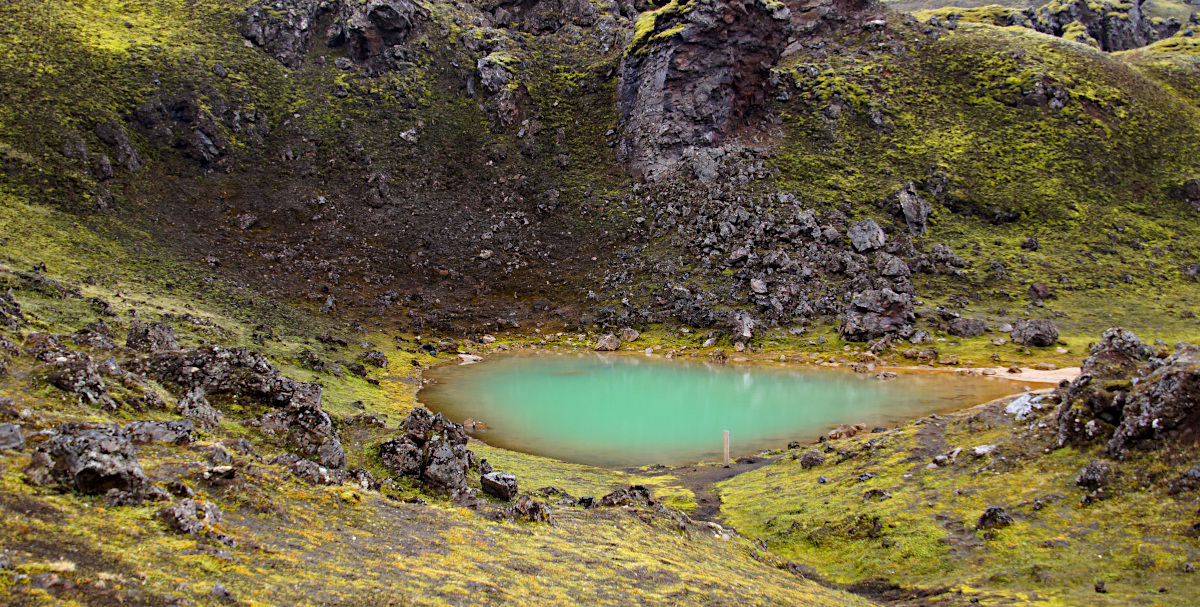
(648, 28)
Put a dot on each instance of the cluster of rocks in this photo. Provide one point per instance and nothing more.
(1132, 396)
(92, 459)
(1108, 25)
(433, 450)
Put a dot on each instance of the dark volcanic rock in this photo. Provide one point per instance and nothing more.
(1037, 333)
(368, 29)
(635, 494)
(1094, 475)
(78, 374)
(190, 517)
(308, 429)
(967, 327)
(866, 235)
(915, 209)
(177, 432)
(500, 484)
(374, 358)
(155, 337)
(811, 459)
(1134, 401)
(681, 94)
(994, 518)
(433, 450)
(194, 406)
(529, 509)
(875, 313)
(88, 459)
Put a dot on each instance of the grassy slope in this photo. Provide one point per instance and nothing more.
(1136, 542)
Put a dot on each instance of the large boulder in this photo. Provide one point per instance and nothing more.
(1037, 333)
(78, 374)
(432, 449)
(89, 459)
(151, 431)
(1164, 407)
(194, 406)
(741, 326)
(875, 313)
(916, 211)
(967, 327)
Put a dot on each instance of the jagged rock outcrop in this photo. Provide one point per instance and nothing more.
(1130, 397)
(433, 450)
(1109, 25)
(368, 29)
(694, 73)
(90, 459)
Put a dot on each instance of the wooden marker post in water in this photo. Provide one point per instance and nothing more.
(726, 447)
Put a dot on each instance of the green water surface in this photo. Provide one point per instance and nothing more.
(619, 410)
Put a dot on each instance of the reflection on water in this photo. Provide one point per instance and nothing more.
(625, 411)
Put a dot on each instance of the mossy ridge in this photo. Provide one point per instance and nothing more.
(925, 534)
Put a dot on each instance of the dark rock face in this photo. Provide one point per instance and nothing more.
(967, 327)
(915, 209)
(1164, 407)
(432, 450)
(1134, 401)
(875, 313)
(1037, 333)
(367, 29)
(155, 337)
(88, 459)
(695, 72)
(178, 433)
(232, 371)
(500, 484)
(1109, 26)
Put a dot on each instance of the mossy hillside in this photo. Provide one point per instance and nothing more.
(304, 545)
(1159, 9)
(921, 532)
(1091, 181)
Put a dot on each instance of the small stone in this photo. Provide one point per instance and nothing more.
(821, 480)
(1100, 587)
(220, 593)
(994, 518)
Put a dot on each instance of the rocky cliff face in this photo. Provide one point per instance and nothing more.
(695, 73)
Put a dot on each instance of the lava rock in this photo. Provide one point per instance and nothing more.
(1094, 475)
(189, 517)
(374, 358)
(500, 484)
(1037, 333)
(89, 459)
(994, 518)
(811, 459)
(529, 509)
(967, 327)
(78, 374)
(875, 313)
(309, 429)
(635, 494)
(155, 337)
(866, 235)
(629, 335)
(174, 432)
(194, 406)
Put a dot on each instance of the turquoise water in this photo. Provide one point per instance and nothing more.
(611, 410)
